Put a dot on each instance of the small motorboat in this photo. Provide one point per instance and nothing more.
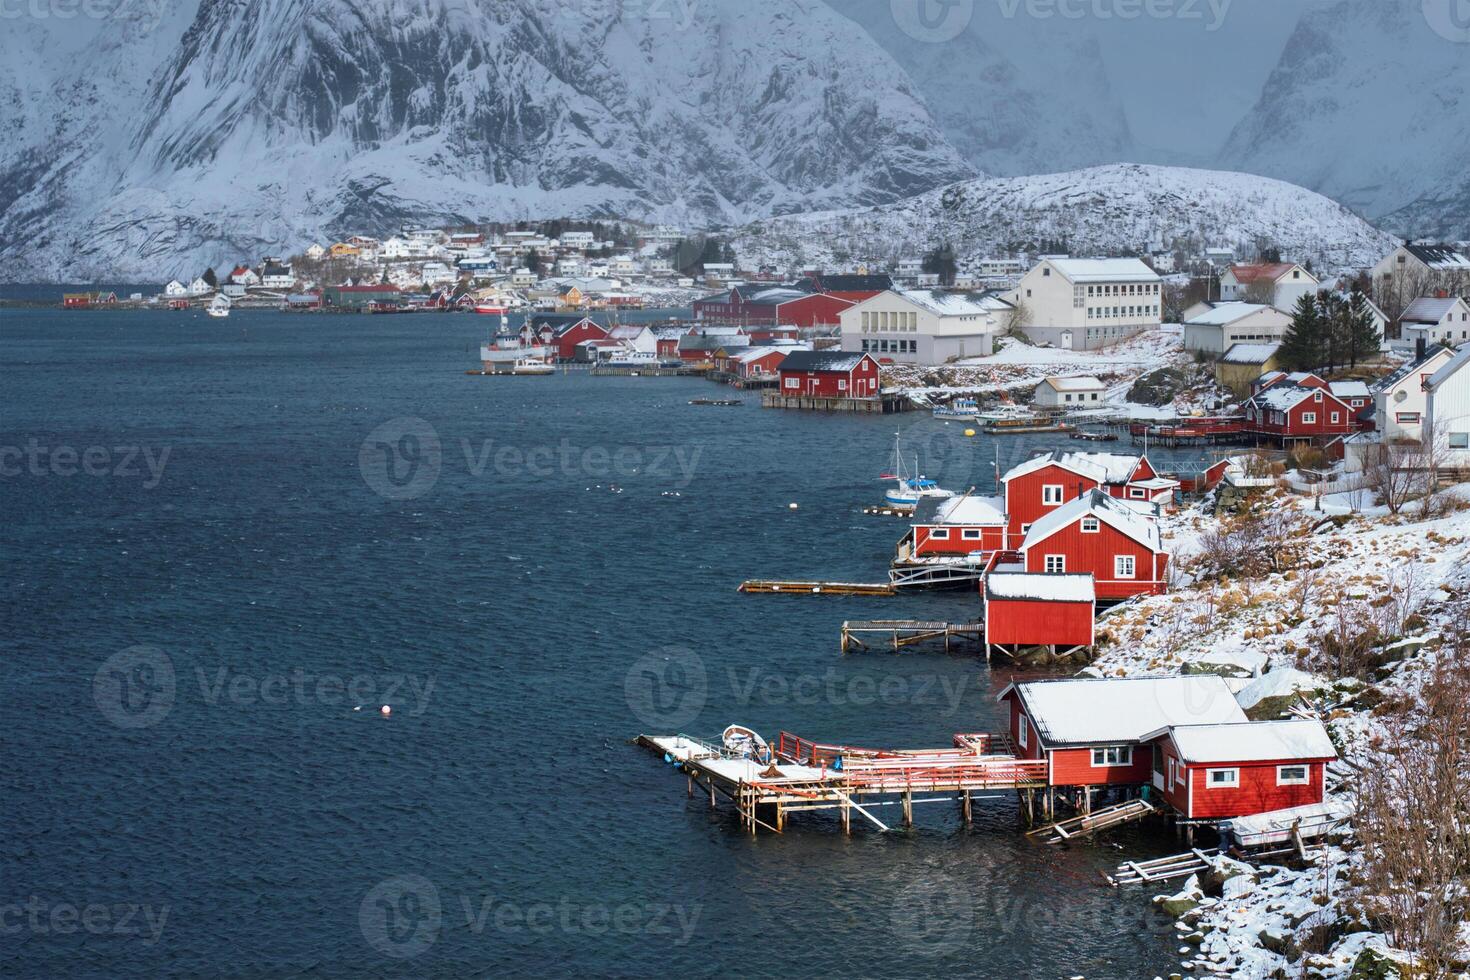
(219, 306)
(530, 366)
(744, 742)
(961, 409)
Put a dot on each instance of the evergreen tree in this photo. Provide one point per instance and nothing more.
(533, 261)
(1302, 344)
(940, 261)
(210, 278)
(1362, 330)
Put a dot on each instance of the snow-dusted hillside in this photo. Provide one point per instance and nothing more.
(276, 122)
(1101, 210)
(1369, 105)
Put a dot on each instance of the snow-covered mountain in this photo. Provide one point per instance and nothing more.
(1098, 211)
(1371, 106)
(281, 121)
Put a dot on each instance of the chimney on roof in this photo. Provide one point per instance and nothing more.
(1419, 349)
(1441, 294)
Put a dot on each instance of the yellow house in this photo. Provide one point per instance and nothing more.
(343, 250)
(1242, 364)
(570, 298)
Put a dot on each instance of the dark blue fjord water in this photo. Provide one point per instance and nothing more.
(222, 537)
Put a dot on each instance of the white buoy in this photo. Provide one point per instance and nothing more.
(792, 506)
(387, 709)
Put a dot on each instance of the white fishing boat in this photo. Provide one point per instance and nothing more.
(909, 487)
(219, 307)
(961, 409)
(633, 358)
(1003, 413)
(531, 366)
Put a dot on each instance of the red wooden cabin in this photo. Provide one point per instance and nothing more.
(957, 527)
(756, 362)
(566, 336)
(1236, 769)
(771, 305)
(1091, 731)
(1038, 610)
(1298, 412)
(1045, 482)
(829, 374)
(1099, 535)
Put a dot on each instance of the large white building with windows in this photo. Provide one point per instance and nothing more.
(924, 326)
(1084, 304)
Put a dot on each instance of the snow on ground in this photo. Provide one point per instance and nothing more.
(1257, 926)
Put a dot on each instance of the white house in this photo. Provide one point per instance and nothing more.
(1278, 284)
(276, 275)
(1399, 400)
(1219, 256)
(1448, 410)
(1221, 325)
(244, 276)
(175, 289)
(576, 239)
(315, 252)
(1435, 320)
(1084, 304)
(400, 248)
(1421, 262)
(437, 274)
(920, 326)
(1069, 392)
(908, 268)
(1162, 261)
(522, 277)
(199, 287)
(622, 265)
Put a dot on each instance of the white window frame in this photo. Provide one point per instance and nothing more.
(1335, 417)
(1120, 561)
(1051, 494)
(1023, 738)
(1304, 780)
(1309, 418)
(1061, 561)
(970, 534)
(939, 533)
(1233, 783)
(1137, 493)
(1121, 756)
(1095, 528)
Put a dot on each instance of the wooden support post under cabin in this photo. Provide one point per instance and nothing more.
(1189, 835)
(1087, 799)
(780, 817)
(691, 787)
(1030, 807)
(846, 815)
(908, 808)
(967, 808)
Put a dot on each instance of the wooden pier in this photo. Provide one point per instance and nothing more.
(885, 404)
(805, 776)
(900, 633)
(816, 588)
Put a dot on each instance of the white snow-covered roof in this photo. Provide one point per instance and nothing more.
(1350, 389)
(970, 510)
(1284, 397)
(1106, 509)
(1081, 711)
(1035, 585)
(1225, 313)
(755, 353)
(1105, 270)
(1277, 683)
(1082, 383)
(955, 304)
(1429, 309)
(1450, 367)
(1253, 741)
(1102, 467)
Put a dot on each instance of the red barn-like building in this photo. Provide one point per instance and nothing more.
(1091, 731)
(956, 526)
(1045, 482)
(829, 374)
(565, 337)
(771, 306)
(1099, 535)
(1237, 769)
(1024, 610)
(1298, 412)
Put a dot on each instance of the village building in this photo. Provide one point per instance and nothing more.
(1298, 411)
(1101, 535)
(751, 305)
(1221, 326)
(1237, 768)
(175, 289)
(954, 527)
(1278, 284)
(915, 326)
(275, 274)
(1447, 415)
(315, 252)
(1400, 400)
(1049, 480)
(1416, 264)
(1240, 366)
(853, 287)
(759, 363)
(1086, 392)
(1092, 731)
(1084, 304)
(829, 374)
(1219, 256)
(1025, 610)
(243, 275)
(342, 250)
(361, 298)
(200, 287)
(1435, 320)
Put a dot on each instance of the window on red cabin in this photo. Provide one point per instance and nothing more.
(971, 534)
(1222, 778)
(1055, 564)
(1137, 493)
(1089, 525)
(1309, 418)
(1051, 494)
(1021, 731)
(1335, 417)
(1123, 566)
(1112, 755)
(1292, 776)
(939, 533)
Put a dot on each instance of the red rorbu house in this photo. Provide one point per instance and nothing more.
(1297, 412)
(562, 332)
(829, 374)
(1045, 482)
(771, 306)
(1241, 768)
(1094, 731)
(755, 363)
(953, 527)
(1098, 534)
(1024, 610)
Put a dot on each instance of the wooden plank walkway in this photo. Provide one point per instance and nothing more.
(1090, 823)
(1162, 869)
(900, 633)
(773, 586)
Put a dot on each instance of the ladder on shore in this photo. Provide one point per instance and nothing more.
(1164, 868)
(1091, 823)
